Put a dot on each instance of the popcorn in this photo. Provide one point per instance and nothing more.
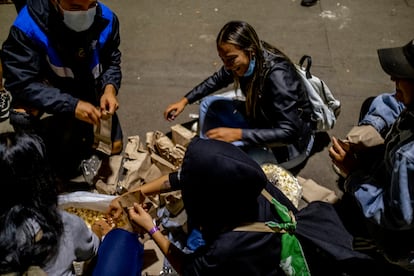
(91, 216)
(285, 181)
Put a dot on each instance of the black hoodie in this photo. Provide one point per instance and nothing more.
(221, 187)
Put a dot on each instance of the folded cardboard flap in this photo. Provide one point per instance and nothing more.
(173, 202)
(127, 200)
(365, 136)
(181, 135)
(102, 134)
(141, 163)
(312, 191)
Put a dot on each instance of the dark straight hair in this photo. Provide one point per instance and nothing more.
(30, 225)
(244, 37)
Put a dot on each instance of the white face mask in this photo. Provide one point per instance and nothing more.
(79, 20)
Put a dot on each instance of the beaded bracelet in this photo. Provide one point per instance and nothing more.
(153, 230)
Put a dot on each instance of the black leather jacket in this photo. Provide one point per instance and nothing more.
(283, 109)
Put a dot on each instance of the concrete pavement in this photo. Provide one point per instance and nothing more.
(169, 46)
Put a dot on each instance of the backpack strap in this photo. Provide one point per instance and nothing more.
(292, 258)
(287, 226)
(308, 60)
(255, 227)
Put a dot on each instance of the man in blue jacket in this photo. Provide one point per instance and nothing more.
(383, 187)
(61, 58)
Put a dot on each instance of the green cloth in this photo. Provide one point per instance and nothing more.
(292, 259)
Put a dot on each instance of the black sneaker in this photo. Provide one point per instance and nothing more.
(5, 99)
(308, 3)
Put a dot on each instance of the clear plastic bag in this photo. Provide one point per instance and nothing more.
(86, 200)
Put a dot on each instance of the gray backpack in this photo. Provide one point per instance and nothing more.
(325, 107)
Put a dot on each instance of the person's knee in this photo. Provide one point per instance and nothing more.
(121, 253)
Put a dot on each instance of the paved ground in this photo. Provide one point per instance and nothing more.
(169, 47)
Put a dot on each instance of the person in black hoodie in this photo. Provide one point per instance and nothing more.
(222, 190)
(62, 58)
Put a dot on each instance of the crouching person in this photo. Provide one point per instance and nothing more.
(247, 226)
(382, 189)
(35, 236)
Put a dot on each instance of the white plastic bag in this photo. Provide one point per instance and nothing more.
(86, 200)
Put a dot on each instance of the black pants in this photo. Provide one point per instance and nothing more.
(19, 4)
(68, 141)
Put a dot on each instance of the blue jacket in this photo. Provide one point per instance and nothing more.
(384, 193)
(384, 189)
(383, 112)
(49, 67)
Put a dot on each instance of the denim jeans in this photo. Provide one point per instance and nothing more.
(221, 111)
(227, 111)
(120, 254)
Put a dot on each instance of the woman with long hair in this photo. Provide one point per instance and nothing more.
(34, 233)
(271, 121)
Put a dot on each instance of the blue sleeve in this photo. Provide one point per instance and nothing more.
(86, 243)
(215, 82)
(389, 204)
(23, 64)
(383, 112)
(110, 53)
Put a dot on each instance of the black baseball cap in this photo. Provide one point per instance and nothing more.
(398, 62)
